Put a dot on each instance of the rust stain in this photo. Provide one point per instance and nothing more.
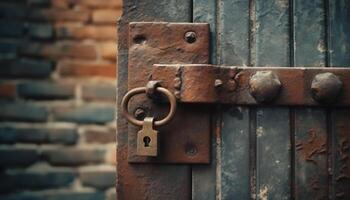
(315, 144)
(263, 193)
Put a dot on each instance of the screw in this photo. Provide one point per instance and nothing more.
(325, 87)
(264, 86)
(190, 37)
(140, 114)
(218, 83)
(191, 149)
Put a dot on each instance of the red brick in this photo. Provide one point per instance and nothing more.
(109, 50)
(100, 135)
(106, 16)
(99, 92)
(60, 50)
(85, 69)
(54, 14)
(7, 90)
(99, 3)
(86, 32)
(98, 177)
(112, 156)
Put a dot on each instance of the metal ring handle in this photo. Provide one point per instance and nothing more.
(140, 90)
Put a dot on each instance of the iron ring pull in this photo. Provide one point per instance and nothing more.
(140, 90)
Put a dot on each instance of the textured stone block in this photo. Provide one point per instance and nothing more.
(38, 180)
(97, 177)
(8, 50)
(99, 92)
(74, 156)
(84, 69)
(59, 50)
(109, 50)
(8, 90)
(40, 31)
(13, 11)
(25, 68)
(100, 135)
(11, 134)
(86, 114)
(45, 90)
(53, 14)
(86, 32)
(106, 16)
(17, 157)
(11, 28)
(22, 112)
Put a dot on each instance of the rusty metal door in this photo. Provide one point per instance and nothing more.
(256, 152)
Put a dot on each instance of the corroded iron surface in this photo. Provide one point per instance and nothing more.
(181, 140)
(197, 83)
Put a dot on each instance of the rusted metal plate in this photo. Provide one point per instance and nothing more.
(198, 83)
(182, 140)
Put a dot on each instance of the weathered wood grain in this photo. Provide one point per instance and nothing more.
(147, 181)
(339, 55)
(310, 124)
(272, 48)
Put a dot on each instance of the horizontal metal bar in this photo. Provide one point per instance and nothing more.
(285, 86)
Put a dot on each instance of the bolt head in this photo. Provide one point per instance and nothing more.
(326, 87)
(140, 113)
(190, 37)
(218, 83)
(264, 86)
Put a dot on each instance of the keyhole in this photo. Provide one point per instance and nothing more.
(146, 141)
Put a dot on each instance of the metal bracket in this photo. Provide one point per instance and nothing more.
(181, 140)
(274, 86)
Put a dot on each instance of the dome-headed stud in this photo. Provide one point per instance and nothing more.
(264, 86)
(326, 87)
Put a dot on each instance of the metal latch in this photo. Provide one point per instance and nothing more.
(166, 53)
(274, 86)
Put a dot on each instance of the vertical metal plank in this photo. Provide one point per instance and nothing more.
(310, 124)
(233, 49)
(235, 154)
(311, 169)
(339, 56)
(273, 132)
(142, 182)
(204, 177)
(231, 43)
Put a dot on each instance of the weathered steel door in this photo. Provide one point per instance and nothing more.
(257, 152)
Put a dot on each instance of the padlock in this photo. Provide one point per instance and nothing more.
(147, 139)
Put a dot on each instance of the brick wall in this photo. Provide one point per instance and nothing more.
(57, 99)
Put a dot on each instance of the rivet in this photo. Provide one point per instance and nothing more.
(190, 37)
(177, 83)
(191, 149)
(264, 86)
(326, 87)
(218, 83)
(177, 94)
(140, 113)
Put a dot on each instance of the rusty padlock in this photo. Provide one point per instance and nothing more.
(147, 139)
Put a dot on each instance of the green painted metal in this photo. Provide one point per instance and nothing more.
(310, 125)
(272, 48)
(339, 55)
